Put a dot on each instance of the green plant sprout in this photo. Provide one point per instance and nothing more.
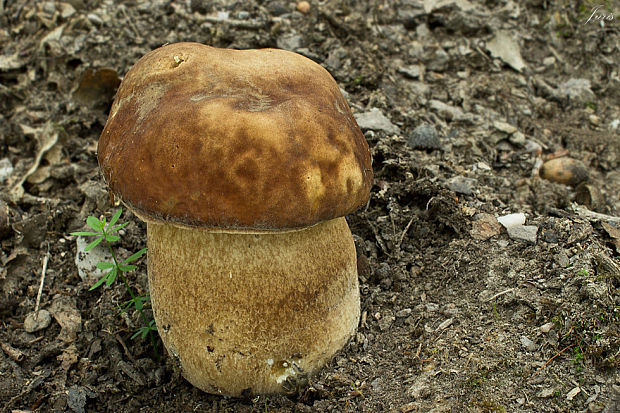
(105, 232)
(578, 357)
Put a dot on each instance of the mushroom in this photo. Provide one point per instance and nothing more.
(243, 163)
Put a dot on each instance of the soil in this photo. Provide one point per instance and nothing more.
(459, 313)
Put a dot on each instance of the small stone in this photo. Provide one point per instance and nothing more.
(303, 7)
(386, 283)
(482, 166)
(596, 292)
(546, 393)
(594, 120)
(76, 398)
(277, 9)
(6, 169)
(551, 236)
(447, 323)
(549, 61)
(383, 271)
(94, 19)
(35, 322)
(375, 120)
(420, 389)
(532, 147)
(571, 394)
(65, 312)
(66, 10)
(439, 61)
(424, 136)
(86, 261)
(385, 322)
(545, 328)
(432, 307)
(567, 171)
(523, 233)
(222, 15)
(290, 42)
(552, 337)
(577, 90)
(562, 259)
(517, 138)
(403, 313)
(528, 344)
(484, 227)
(447, 111)
(461, 185)
(504, 127)
(411, 71)
(505, 47)
(512, 220)
(376, 385)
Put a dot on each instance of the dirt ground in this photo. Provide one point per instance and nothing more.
(462, 103)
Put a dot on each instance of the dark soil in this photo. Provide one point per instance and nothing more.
(458, 314)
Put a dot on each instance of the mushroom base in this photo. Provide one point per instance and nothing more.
(251, 314)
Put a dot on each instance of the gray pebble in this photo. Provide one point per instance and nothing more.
(424, 136)
(412, 71)
(375, 120)
(290, 41)
(35, 322)
(461, 185)
(277, 9)
(523, 233)
(76, 398)
(528, 344)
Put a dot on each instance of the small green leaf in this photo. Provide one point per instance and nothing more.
(115, 218)
(95, 224)
(104, 265)
(127, 268)
(135, 256)
(136, 334)
(112, 238)
(116, 228)
(98, 283)
(93, 244)
(111, 276)
(85, 234)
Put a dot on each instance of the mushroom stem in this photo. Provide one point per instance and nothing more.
(246, 313)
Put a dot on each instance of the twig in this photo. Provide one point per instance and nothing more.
(594, 216)
(127, 353)
(549, 361)
(402, 235)
(43, 271)
(378, 238)
(429, 202)
(500, 294)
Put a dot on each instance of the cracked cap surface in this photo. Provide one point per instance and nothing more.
(233, 139)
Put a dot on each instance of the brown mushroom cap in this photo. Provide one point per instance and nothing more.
(233, 139)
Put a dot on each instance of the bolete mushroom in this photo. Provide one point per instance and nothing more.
(243, 163)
